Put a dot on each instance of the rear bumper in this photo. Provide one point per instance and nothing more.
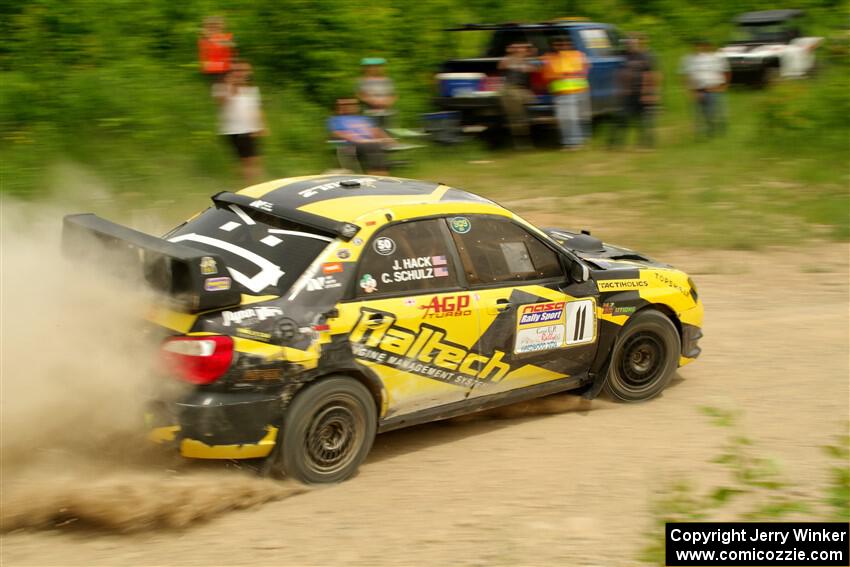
(750, 69)
(217, 425)
(480, 103)
(747, 72)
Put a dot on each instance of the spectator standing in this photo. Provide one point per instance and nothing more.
(707, 74)
(241, 118)
(215, 49)
(376, 90)
(517, 66)
(360, 133)
(565, 69)
(638, 86)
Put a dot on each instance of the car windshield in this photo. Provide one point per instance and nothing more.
(503, 38)
(765, 33)
(264, 254)
(601, 42)
(597, 41)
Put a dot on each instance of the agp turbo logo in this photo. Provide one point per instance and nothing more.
(448, 306)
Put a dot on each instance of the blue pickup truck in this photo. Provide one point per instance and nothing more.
(471, 86)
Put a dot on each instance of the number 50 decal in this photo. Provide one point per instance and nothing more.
(581, 322)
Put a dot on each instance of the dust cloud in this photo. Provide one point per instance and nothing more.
(76, 369)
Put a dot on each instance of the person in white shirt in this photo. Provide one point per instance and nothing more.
(241, 118)
(707, 75)
(377, 91)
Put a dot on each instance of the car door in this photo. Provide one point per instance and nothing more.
(412, 324)
(535, 325)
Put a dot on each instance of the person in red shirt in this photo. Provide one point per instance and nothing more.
(216, 49)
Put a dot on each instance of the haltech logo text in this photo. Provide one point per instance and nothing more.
(376, 337)
(617, 285)
(449, 306)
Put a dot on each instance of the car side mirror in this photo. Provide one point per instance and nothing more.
(579, 272)
(576, 271)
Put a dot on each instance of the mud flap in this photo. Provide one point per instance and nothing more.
(600, 375)
(595, 388)
(270, 465)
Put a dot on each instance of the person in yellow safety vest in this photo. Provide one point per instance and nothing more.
(565, 70)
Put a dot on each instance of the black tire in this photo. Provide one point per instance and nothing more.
(645, 357)
(327, 431)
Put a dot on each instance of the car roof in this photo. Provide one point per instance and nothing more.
(553, 24)
(346, 198)
(767, 16)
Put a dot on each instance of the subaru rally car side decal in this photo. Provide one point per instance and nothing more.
(241, 214)
(268, 275)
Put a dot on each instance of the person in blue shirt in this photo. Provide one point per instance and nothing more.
(360, 132)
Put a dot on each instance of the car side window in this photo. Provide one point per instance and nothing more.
(410, 257)
(618, 47)
(496, 250)
(597, 41)
(502, 39)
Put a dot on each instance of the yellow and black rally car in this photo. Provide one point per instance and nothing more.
(312, 313)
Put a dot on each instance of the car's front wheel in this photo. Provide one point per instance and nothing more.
(645, 357)
(327, 432)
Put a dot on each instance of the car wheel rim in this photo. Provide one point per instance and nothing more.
(642, 361)
(334, 436)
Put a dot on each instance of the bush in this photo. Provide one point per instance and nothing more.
(815, 111)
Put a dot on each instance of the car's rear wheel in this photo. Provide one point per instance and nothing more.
(327, 432)
(645, 357)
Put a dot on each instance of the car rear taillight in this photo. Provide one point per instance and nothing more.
(199, 360)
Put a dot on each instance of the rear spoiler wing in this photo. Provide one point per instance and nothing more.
(192, 279)
(343, 230)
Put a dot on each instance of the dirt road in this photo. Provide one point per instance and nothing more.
(553, 485)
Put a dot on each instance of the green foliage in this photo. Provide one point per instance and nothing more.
(115, 84)
(837, 496)
(754, 489)
(814, 110)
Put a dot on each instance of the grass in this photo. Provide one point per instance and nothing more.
(737, 191)
(743, 190)
(753, 489)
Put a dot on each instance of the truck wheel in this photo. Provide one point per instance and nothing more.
(645, 357)
(327, 431)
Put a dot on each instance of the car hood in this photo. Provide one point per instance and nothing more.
(753, 49)
(600, 255)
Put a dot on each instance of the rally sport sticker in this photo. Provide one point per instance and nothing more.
(555, 324)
